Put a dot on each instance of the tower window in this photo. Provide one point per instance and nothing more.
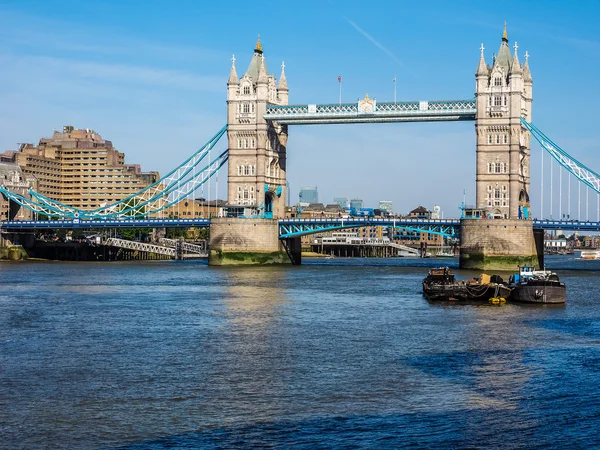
(497, 139)
(497, 81)
(506, 139)
(246, 90)
(246, 107)
(505, 101)
(489, 138)
(497, 101)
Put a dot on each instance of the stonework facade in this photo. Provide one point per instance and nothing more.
(257, 148)
(503, 95)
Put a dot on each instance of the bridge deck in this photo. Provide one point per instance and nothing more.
(372, 112)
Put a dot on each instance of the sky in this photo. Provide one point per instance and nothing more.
(151, 77)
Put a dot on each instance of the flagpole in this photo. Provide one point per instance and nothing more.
(394, 90)
(340, 80)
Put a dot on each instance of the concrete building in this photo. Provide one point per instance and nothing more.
(257, 149)
(79, 168)
(342, 201)
(504, 95)
(13, 179)
(309, 194)
(386, 205)
(356, 203)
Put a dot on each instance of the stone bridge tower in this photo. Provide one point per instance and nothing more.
(257, 147)
(503, 95)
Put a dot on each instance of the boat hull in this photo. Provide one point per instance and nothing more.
(540, 292)
(463, 291)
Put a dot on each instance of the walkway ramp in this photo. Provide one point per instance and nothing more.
(189, 251)
(404, 248)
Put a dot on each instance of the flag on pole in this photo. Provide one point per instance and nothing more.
(339, 79)
(394, 80)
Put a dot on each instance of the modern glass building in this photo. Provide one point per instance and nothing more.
(309, 194)
(385, 205)
(356, 203)
(342, 201)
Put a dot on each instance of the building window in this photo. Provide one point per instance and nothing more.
(506, 139)
(489, 167)
(505, 103)
(246, 90)
(497, 168)
(489, 138)
(497, 139)
(497, 101)
(497, 81)
(246, 107)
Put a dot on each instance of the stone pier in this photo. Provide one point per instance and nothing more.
(245, 242)
(498, 244)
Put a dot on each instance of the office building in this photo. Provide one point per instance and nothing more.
(342, 201)
(79, 168)
(356, 203)
(385, 205)
(309, 194)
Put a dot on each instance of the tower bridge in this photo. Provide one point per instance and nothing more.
(258, 120)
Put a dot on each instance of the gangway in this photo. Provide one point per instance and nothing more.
(152, 248)
(199, 249)
(404, 248)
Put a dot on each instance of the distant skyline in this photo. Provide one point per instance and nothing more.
(150, 76)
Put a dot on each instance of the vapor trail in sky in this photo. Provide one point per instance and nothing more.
(373, 40)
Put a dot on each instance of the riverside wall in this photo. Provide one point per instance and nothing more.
(499, 244)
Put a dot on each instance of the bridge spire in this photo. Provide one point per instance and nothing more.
(516, 65)
(526, 72)
(282, 80)
(233, 77)
(482, 67)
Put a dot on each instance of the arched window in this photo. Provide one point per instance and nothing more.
(489, 138)
(239, 143)
(497, 167)
(239, 170)
(246, 170)
(490, 188)
(497, 139)
(489, 167)
(497, 101)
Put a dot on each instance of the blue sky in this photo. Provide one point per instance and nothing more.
(151, 75)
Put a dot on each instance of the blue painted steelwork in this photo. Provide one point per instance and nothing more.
(301, 227)
(579, 170)
(566, 225)
(415, 111)
(16, 225)
(167, 191)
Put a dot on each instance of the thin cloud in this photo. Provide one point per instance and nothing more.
(374, 41)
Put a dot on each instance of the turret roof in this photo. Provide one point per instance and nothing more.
(504, 58)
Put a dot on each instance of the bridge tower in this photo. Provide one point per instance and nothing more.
(257, 148)
(503, 95)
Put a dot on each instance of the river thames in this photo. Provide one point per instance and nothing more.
(334, 353)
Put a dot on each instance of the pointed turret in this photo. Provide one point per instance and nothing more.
(282, 90)
(504, 58)
(282, 80)
(233, 77)
(262, 71)
(256, 61)
(516, 66)
(526, 72)
(482, 67)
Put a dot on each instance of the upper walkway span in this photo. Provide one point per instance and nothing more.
(369, 111)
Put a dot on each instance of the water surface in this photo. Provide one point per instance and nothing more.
(334, 353)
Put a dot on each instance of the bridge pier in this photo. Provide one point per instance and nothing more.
(497, 244)
(245, 242)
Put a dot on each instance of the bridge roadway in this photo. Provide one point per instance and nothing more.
(292, 227)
